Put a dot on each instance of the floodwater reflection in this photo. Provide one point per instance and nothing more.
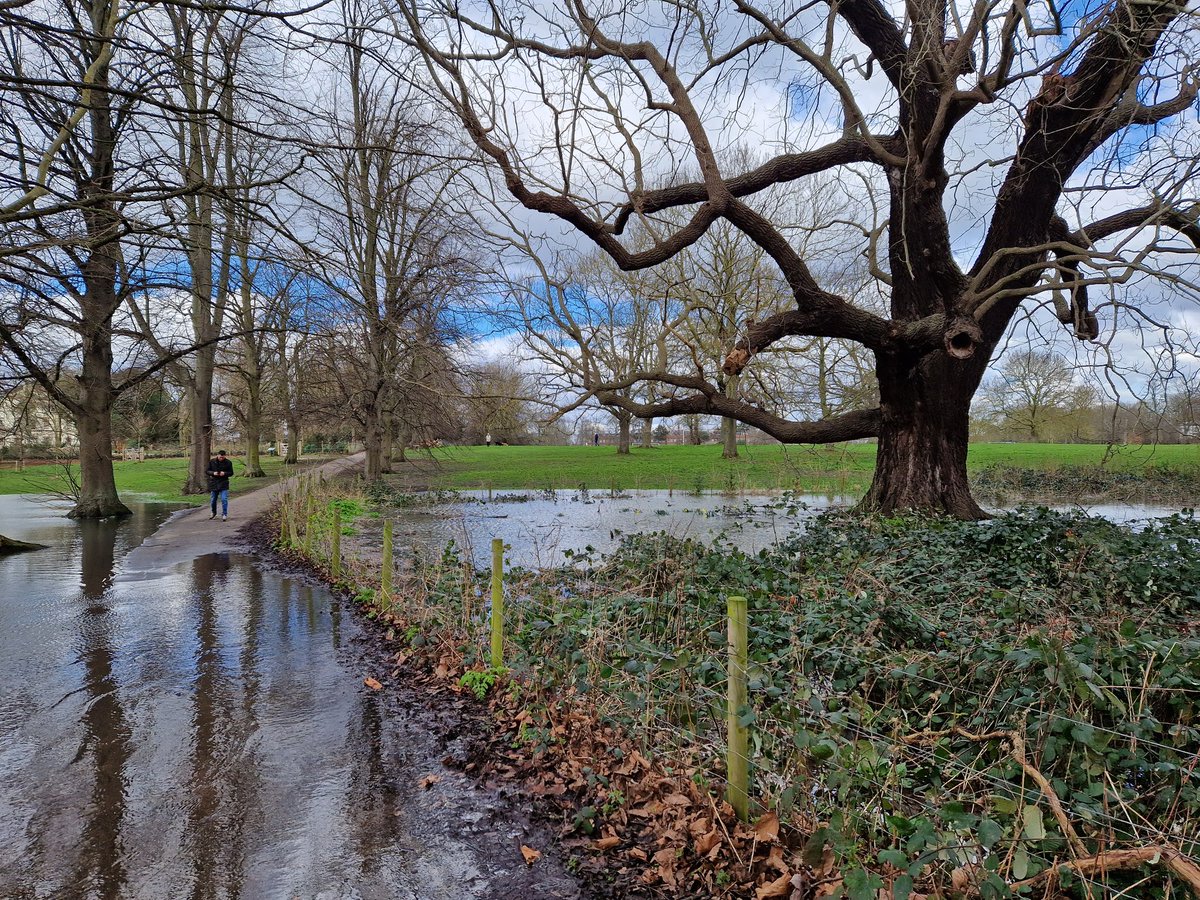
(199, 735)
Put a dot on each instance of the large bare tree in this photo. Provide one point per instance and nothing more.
(585, 108)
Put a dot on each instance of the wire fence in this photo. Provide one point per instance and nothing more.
(1005, 786)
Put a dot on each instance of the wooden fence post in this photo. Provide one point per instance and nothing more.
(385, 565)
(737, 761)
(497, 603)
(309, 526)
(335, 550)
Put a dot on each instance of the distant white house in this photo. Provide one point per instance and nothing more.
(31, 422)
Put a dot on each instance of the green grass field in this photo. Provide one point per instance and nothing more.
(153, 479)
(837, 468)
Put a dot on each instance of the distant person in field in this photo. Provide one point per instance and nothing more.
(488, 438)
(596, 439)
(220, 470)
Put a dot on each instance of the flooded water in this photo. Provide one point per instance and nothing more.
(541, 529)
(207, 734)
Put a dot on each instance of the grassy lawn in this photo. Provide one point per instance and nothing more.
(835, 468)
(154, 479)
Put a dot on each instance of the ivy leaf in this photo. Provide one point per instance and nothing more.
(989, 833)
(1020, 864)
(1035, 827)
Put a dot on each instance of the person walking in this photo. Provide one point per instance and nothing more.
(488, 438)
(220, 470)
(596, 439)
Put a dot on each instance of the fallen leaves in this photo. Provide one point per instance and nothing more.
(428, 781)
(780, 887)
(531, 855)
(766, 829)
(372, 683)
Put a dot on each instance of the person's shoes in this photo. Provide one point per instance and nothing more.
(213, 516)
(224, 518)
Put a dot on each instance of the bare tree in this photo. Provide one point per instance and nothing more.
(581, 109)
(392, 249)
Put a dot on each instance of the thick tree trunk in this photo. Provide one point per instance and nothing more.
(647, 434)
(98, 497)
(624, 421)
(385, 460)
(921, 461)
(729, 438)
(253, 428)
(292, 423)
(729, 426)
(373, 445)
(693, 426)
(199, 399)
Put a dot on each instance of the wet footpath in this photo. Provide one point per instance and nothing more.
(196, 726)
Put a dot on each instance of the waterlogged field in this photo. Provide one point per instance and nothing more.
(932, 703)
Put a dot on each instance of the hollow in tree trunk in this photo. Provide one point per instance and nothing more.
(921, 461)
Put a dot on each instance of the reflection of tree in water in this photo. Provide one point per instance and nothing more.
(373, 802)
(106, 733)
(225, 787)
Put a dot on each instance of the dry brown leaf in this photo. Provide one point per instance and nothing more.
(828, 889)
(372, 683)
(607, 843)
(637, 853)
(780, 887)
(531, 855)
(677, 800)
(775, 860)
(707, 842)
(766, 829)
(429, 780)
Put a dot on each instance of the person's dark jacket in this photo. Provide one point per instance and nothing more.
(219, 471)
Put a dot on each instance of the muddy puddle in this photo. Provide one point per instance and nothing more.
(207, 734)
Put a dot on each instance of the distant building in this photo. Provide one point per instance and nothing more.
(32, 423)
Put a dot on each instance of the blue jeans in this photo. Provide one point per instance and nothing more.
(224, 495)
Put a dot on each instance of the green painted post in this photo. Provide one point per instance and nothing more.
(497, 603)
(738, 761)
(335, 551)
(385, 567)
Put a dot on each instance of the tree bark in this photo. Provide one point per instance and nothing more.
(624, 420)
(647, 434)
(921, 461)
(373, 444)
(98, 497)
(693, 426)
(199, 400)
(253, 428)
(729, 438)
(292, 424)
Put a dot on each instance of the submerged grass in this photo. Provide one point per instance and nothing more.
(909, 676)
